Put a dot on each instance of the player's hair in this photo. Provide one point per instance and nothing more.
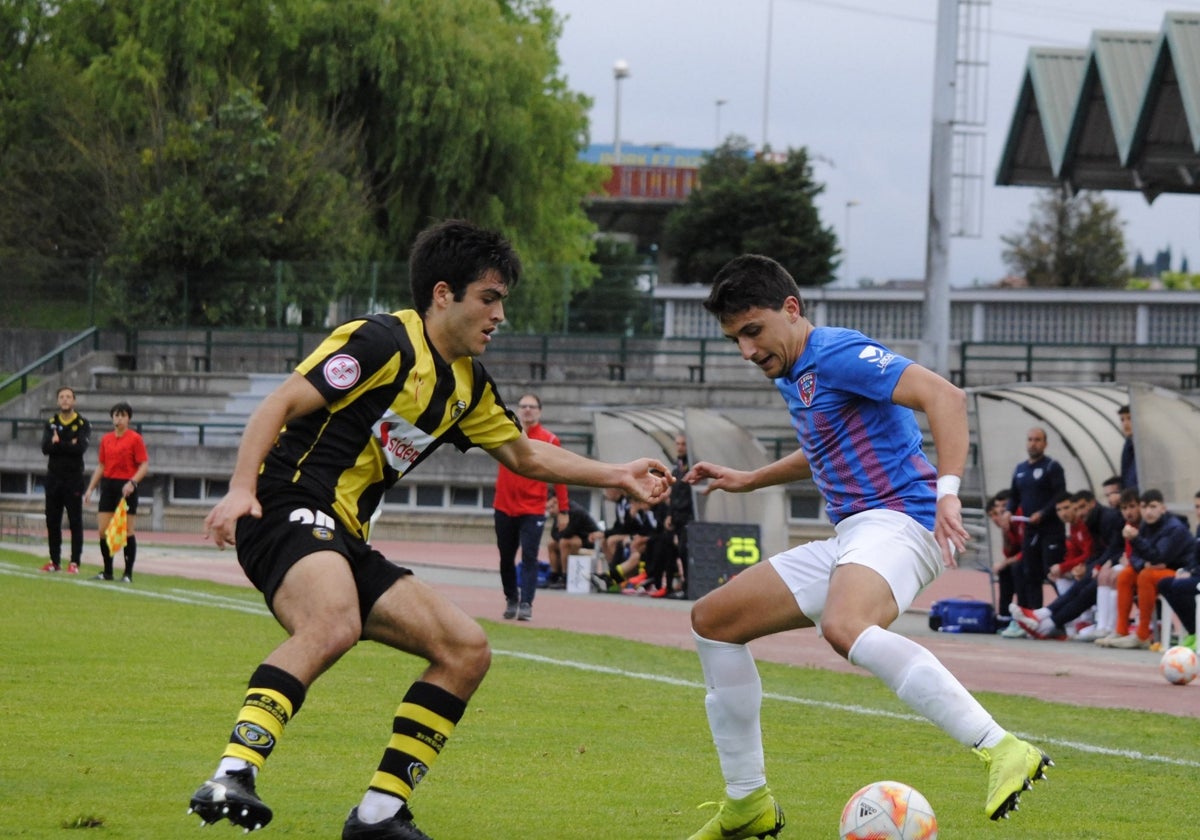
(1111, 480)
(65, 388)
(458, 253)
(1059, 498)
(1083, 495)
(751, 281)
(1123, 410)
(1151, 495)
(1129, 496)
(122, 407)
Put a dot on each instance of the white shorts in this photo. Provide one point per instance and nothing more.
(892, 543)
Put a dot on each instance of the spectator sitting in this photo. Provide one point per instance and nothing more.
(1180, 591)
(1011, 535)
(573, 532)
(1105, 524)
(667, 554)
(1075, 605)
(618, 536)
(1161, 545)
(645, 528)
(1078, 545)
(1112, 491)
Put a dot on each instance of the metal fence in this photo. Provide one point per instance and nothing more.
(75, 295)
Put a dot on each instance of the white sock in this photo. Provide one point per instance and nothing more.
(1106, 608)
(377, 807)
(232, 765)
(1046, 627)
(732, 701)
(924, 683)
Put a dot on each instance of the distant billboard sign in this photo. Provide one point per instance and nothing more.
(665, 157)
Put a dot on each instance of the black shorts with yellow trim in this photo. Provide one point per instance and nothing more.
(296, 524)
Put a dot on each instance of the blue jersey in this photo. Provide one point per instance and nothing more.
(864, 450)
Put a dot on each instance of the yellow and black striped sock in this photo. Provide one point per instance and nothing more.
(421, 728)
(272, 699)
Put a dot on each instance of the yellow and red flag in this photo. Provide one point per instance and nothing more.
(117, 532)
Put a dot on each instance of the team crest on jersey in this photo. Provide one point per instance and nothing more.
(342, 371)
(323, 534)
(807, 388)
(459, 408)
(877, 356)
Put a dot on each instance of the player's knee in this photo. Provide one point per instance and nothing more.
(706, 621)
(841, 634)
(330, 640)
(469, 655)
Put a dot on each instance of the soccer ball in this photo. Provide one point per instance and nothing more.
(888, 811)
(1179, 665)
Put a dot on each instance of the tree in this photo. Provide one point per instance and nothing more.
(744, 204)
(615, 303)
(1073, 241)
(116, 132)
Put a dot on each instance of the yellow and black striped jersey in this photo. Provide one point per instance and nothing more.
(390, 401)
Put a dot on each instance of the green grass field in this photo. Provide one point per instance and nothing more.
(116, 702)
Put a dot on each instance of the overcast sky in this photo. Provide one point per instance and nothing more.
(853, 82)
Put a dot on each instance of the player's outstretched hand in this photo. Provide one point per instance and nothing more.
(648, 480)
(952, 537)
(718, 478)
(221, 522)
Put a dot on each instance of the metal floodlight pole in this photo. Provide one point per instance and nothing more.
(620, 71)
(846, 241)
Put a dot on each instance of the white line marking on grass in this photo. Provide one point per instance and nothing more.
(202, 599)
(196, 599)
(847, 708)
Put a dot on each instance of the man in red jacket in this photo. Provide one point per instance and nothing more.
(520, 513)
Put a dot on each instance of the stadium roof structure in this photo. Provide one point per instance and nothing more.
(1124, 114)
(625, 434)
(1083, 433)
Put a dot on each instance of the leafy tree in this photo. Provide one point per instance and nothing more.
(228, 191)
(745, 204)
(614, 304)
(1073, 241)
(117, 127)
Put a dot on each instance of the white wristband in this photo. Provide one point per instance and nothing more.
(947, 485)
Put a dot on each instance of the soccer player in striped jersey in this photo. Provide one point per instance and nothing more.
(363, 410)
(897, 521)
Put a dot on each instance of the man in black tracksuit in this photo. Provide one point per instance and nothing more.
(1035, 484)
(64, 440)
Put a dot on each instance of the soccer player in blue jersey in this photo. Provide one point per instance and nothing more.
(898, 521)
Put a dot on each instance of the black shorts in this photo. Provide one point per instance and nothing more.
(295, 525)
(110, 495)
(569, 532)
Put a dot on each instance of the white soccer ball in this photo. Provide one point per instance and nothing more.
(1179, 665)
(888, 811)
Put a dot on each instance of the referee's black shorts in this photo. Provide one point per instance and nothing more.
(110, 495)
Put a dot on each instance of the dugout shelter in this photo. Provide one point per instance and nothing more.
(1083, 433)
(623, 434)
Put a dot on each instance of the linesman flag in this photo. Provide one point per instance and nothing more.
(117, 532)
